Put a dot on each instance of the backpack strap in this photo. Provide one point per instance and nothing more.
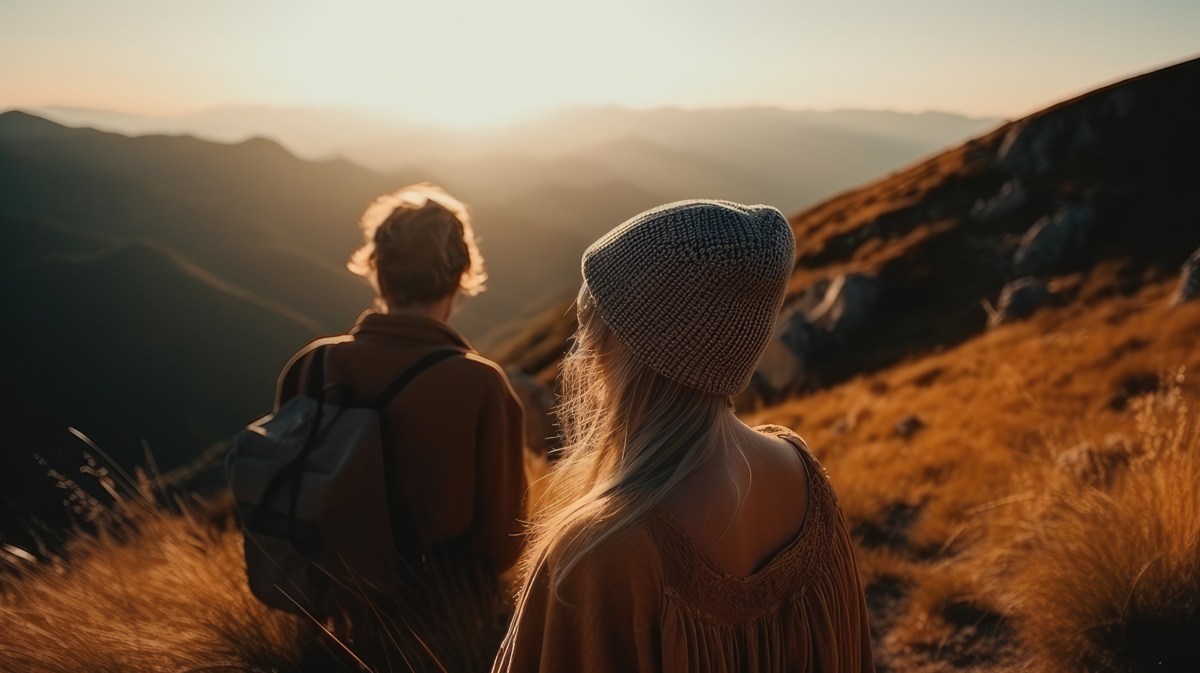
(416, 369)
(404, 526)
(316, 388)
(315, 379)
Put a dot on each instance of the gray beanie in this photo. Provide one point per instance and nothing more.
(693, 288)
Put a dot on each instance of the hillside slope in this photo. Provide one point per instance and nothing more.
(927, 249)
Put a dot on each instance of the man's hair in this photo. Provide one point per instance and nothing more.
(419, 247)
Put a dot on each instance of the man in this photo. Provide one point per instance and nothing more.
(452, 438)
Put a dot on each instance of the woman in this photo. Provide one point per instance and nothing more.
(672, 537)
(454, 436)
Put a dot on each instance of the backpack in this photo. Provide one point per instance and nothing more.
(310, 483)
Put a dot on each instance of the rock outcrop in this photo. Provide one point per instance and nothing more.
(828, 312)
(1018, 300)
(1011, 196)
(1189, 280)
(818, 321)
(1052, 238)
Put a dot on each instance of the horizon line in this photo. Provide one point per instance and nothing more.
(381, 115)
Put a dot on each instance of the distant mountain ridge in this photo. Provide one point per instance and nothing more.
(159, 282)
(754, 145)
(317, 133)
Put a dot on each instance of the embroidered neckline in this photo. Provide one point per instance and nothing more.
(698, 584)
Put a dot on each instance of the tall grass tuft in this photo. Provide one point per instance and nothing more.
(164, 591)
(1104, 575)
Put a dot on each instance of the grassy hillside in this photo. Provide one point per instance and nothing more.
(936, 242)
(955, 468)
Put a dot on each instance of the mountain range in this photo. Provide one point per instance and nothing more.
(791, 157)
(157, 283)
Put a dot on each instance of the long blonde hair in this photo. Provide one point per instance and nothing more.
(630, 435)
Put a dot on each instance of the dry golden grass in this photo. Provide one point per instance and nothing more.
(1104, 574)
(1074, 570)
(163, 588)
(164, 591)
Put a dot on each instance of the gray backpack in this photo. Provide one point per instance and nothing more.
(311, 486)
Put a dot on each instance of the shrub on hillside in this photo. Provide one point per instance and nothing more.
(1104, 575)
(160, 591)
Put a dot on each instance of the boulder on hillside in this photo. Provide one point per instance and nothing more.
(1011, 196)
(828, 313)
(821, 319)
(1018, 300)
(847, 304)
(1189, 280)
(1052, 238)
(809, 299)
(795, 328)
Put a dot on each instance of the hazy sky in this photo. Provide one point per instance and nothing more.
(471, 63)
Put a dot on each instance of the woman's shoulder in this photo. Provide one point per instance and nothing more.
(818, 475)
(793, 438)
(783, 432)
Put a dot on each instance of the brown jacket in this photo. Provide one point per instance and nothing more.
(456, 431)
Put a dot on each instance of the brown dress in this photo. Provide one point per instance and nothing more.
(649, 600)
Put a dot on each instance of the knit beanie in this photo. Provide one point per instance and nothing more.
(693, 288)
